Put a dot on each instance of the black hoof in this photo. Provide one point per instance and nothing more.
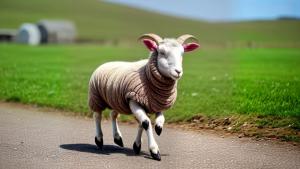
(158, 130)
(99, 143)
(119, 141)
(136, 149)
(155, 156)
(145, 124)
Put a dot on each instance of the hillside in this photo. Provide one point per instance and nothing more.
(97, 20)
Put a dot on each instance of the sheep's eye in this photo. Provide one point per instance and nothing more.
(162, 53)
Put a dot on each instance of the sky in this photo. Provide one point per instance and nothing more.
(220, 10)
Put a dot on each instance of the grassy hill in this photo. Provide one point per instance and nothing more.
(98, 20)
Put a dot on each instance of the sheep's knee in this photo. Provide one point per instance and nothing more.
(145, 124)
(140, 114)
(114, 115)
(159, 122)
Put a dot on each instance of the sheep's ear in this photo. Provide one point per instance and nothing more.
(150, 44)
(190, 47)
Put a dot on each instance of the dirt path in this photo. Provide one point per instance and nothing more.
(31, 138)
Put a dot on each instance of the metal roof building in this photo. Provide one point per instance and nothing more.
(57, 31)
(47, 31)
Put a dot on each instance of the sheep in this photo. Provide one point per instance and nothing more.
(140, 88)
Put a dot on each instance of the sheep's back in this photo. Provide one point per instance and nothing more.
(109, 85)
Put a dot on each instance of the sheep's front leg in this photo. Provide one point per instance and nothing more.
(159, 122)
(140, 114)
(99, 134)
(116, 132)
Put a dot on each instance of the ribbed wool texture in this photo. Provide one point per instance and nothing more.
(113, 86)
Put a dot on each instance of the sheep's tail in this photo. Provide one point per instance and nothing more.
(95, 101)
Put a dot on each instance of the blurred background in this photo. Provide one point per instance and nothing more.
(245, 78)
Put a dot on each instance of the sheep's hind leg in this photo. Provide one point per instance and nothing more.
(99, 134)
(138, 141)
(140, 114)
(159, 122)
(116, 132)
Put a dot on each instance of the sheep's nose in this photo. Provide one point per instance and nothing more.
(178, 71)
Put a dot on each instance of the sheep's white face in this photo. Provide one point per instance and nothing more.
(169, 60)
(170, 51)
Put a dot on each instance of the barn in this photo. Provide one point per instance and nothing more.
(47, 31)
(57, 31)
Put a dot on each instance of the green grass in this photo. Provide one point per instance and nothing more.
(268, 81)
(216, 82)
(116, 23)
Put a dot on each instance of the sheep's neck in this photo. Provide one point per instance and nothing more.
(161, 84)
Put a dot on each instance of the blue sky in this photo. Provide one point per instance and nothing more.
(220, 10)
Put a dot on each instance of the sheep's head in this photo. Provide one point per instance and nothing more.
(170, 51)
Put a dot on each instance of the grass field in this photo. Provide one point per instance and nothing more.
(216, 82)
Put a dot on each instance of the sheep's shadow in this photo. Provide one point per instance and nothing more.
(107, 149)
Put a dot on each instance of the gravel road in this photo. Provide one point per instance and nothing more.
(38, 138)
